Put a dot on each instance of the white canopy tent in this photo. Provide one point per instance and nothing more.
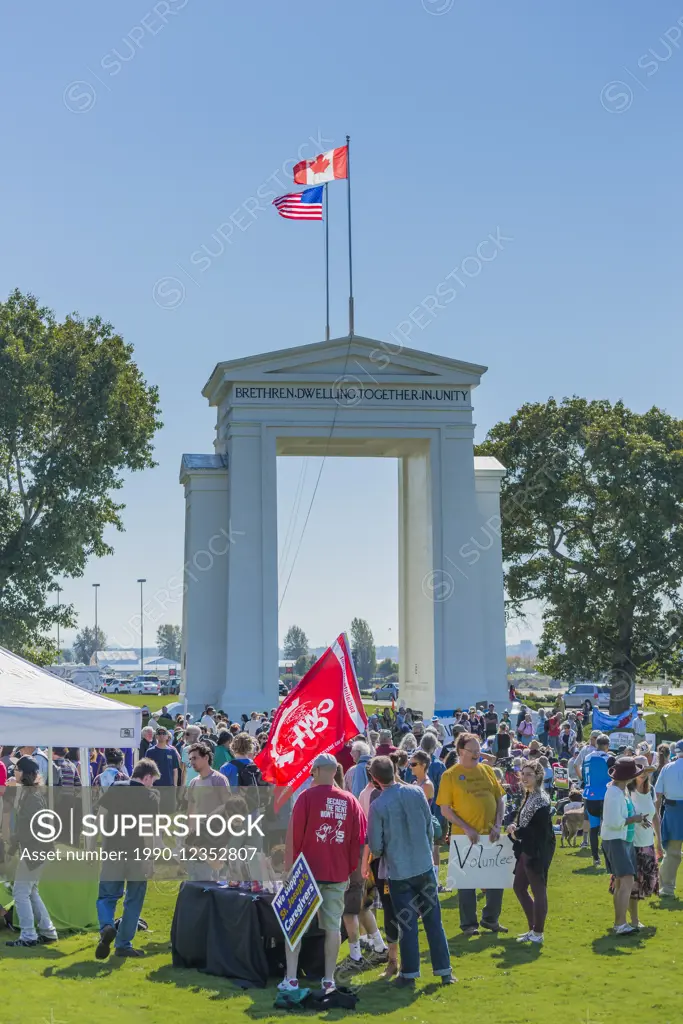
(37, 707)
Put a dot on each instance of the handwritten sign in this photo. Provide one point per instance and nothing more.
(297, 902)
(482, 865)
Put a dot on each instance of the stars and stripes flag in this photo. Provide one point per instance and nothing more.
(325, 167)
(306, 205)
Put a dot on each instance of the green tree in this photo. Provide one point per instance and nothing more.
(387, 667)
(75, 414)
(86, 643)
(303, 663)
(66, 655)
(295, 643)
(169, 640)
(363, 650)
(592, 528)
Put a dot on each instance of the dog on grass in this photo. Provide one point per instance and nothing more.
(571, 825)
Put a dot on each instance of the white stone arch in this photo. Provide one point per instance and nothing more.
(341, 398)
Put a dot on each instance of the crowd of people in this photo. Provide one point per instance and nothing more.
(372, 817)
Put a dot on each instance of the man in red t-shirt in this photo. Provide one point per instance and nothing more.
(328, 826)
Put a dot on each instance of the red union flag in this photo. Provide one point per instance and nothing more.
(322, 712)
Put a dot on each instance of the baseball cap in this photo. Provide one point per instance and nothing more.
(325, 761)
(679, 747)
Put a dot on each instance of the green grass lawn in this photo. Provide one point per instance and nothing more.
(155, 703)
(583, 975)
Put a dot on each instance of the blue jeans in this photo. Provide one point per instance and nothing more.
(107, 898)
(413, 898)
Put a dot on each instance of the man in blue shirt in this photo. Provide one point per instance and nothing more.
(400, 830)
(165, 757)
(242, 771)
(596, 779)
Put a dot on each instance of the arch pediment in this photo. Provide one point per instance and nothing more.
(367, 361)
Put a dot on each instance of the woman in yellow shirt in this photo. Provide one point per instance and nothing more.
(473, 800)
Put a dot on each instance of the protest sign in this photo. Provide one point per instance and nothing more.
(482, 865)
(297, 902)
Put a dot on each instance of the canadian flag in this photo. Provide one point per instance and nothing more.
(322, 712)
(325, 167)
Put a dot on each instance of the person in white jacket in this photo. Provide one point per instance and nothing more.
(617, 833)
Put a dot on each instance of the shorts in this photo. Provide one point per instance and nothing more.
(594, 809)
(620, 857)
(332, 907)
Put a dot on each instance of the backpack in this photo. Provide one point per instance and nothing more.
(248, 774)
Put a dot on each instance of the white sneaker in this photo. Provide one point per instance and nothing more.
(624, 929)
(536, 937)
(526, 937)
(288, 985)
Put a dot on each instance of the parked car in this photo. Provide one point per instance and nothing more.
(577, 695)
(145, 684)
(389, 691)
(116, 686)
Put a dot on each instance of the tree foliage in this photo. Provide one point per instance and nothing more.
(592, 528)
(169, 641)
(387, 667)
(303, 663)
(295, 643)
(75, 413)
(87, 642)
(66, 654)
(363, 650)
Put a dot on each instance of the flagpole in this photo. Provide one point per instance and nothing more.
(327, 268)
(348, 194)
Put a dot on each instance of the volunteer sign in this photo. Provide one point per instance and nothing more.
(349, 392)
(482, 865)
(297, 902)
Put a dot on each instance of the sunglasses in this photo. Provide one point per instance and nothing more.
(414, 764)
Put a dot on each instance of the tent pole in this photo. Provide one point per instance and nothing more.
(86, 795)
(49, 781)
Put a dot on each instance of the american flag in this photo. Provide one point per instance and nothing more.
(306, 205)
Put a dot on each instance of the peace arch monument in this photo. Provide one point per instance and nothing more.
(345, 397)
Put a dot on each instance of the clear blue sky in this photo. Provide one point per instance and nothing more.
(488, 115)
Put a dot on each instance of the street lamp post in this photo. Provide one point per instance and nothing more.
(59, 651)
(97, 635)
(142, 630)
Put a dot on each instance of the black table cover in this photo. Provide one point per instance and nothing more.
(235, 934)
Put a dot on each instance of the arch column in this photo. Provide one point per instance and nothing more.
(415, 562)
(457, 597)
(251, 667)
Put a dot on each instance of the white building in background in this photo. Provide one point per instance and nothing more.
(340, 398)
(127, 663)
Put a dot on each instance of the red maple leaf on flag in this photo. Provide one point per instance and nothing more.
(320, 164)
